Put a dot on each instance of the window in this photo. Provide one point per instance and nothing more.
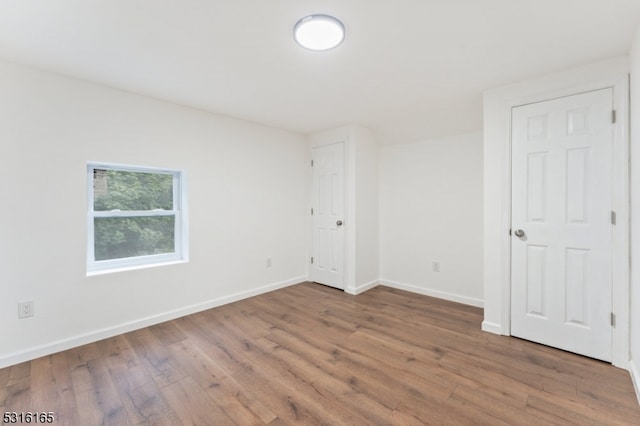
(136, 217)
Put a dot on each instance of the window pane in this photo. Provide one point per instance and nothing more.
(118, 190)
(122, 237)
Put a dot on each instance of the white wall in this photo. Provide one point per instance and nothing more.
(635, 213)
(366, 209)
(247, 188)
(431, 210)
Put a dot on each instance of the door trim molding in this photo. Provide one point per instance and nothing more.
(342, 148)
(325, 139)
(498, 104)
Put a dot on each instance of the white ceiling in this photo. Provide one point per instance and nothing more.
(408, 69)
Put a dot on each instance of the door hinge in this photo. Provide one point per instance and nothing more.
(311, 211)
(510, 232)
(311, 259)
(613, 116)
(613, 319)
(613, 218)
(311, 163)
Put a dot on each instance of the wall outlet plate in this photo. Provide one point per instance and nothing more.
(25, 309)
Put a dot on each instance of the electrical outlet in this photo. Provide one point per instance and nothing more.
(268, 262)
(25, 309)
(435, 266)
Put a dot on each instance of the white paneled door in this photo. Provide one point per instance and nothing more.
(327, 215)
(562, 223)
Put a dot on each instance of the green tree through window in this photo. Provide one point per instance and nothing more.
(134, 213)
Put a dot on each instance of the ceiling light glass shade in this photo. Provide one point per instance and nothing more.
(318, 32)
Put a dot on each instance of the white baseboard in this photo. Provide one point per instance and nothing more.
(362, 288)
(491, 327)
(635, 377)
(434, 293)
(104, 333)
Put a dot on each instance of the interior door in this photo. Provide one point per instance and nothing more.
(327, 210)
(561, 244)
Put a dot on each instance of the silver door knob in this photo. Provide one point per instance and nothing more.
(339, 223)
(519, 233)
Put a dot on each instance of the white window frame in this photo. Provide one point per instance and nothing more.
(180, 254)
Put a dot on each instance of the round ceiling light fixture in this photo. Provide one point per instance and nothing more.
(318, 32)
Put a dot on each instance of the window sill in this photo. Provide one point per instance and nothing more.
(134, 267)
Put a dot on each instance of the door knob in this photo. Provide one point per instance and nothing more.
(519, 233)
(339, 223)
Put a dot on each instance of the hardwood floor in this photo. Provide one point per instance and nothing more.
(309, 354)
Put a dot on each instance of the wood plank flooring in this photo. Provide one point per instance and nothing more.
(309, 354)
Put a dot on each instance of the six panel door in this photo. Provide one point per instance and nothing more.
(327, 203)
(561, 223)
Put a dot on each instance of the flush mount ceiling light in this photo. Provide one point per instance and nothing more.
(318, 32)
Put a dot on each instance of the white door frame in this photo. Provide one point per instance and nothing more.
(323, 139)
(498, 104)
